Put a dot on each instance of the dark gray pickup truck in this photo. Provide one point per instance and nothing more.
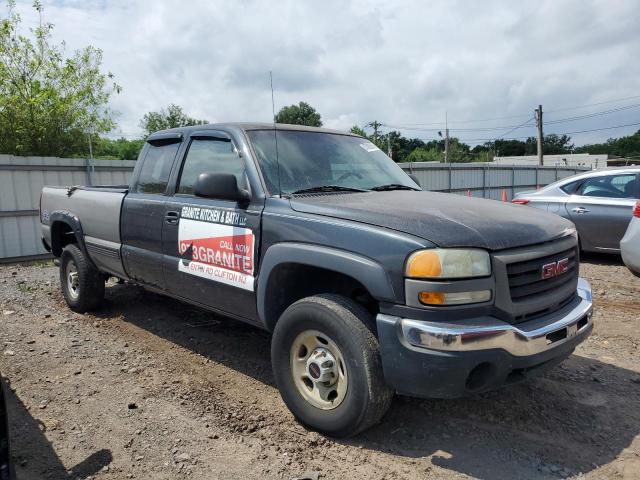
(369, 285)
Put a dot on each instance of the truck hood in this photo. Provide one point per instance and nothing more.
(446, 220)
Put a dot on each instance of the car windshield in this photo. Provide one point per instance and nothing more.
(310, 160)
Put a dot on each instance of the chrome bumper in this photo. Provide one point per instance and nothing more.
(523, 339)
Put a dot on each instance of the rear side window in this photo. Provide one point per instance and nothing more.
(610, 186)
(570, 188)
(156, 167)
(210, 155)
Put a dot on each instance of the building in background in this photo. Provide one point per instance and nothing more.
(563, 160)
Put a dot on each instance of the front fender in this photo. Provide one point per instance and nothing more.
(366, 271)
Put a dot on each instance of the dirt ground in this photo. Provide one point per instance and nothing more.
(150, 388)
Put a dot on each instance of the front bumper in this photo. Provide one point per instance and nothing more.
(439, 359)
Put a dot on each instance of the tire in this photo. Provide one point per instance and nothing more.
(6, 466)
(86, 291)
(341, 329)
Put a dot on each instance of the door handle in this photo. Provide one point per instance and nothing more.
(580, 210)
(172, 217)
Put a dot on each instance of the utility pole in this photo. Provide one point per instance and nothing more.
(446, 138)
(90, 163)
(375, 125)
(389, 145)
(540, 137)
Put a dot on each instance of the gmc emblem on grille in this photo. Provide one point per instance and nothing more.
(554, 269)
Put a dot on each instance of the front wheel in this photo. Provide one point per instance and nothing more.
(327, 365)
(82, 284)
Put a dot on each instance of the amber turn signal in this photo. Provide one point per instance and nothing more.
(431, 298)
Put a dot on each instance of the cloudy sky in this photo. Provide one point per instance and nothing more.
(406, 63)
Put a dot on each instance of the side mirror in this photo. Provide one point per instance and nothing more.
(220, 185)
(414, 178)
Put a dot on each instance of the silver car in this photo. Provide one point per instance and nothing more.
(600, 203)
(630, 243)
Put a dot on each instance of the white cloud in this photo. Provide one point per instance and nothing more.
(355, 61)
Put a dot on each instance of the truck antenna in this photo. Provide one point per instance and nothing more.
(275, 133)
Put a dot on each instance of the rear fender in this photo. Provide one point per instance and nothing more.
(56, 220)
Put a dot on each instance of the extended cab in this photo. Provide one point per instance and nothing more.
(370, 285)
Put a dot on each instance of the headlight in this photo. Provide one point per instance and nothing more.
(448, 263)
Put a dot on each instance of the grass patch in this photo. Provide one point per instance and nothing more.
(26, 287)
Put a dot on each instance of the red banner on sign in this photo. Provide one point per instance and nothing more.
(234, 252)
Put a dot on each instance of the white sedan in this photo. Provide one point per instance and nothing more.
(630, 243)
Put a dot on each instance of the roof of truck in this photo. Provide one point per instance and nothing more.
(249, 126)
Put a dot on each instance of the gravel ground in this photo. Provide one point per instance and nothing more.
(150, 388)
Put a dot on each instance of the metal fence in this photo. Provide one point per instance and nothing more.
(486, 180)
(22, 178)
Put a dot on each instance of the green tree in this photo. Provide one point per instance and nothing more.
(401, 146)
(552, 144)
(171, 117)
(119, 149)
(301, 114)
(358, 131)
(627, 146)
(423, 154)
(50, 103)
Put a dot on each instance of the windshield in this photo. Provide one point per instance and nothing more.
(314, 159)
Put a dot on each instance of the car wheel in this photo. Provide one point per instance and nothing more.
(82, 284)
(327, 366)
(6, 467)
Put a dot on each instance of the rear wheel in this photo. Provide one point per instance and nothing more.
(82, 284)
(327, 365)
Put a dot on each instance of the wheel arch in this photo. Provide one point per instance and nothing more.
(65, 229)
(291, 271)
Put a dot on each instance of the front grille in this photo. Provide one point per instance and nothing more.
(540, 313)
(525, 278)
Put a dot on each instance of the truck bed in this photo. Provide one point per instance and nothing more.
(99, 209)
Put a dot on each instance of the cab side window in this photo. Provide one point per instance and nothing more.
(156, 167)
(213, 155)
(610, 186)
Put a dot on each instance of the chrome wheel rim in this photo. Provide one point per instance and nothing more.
(319, 370)
(73, 282)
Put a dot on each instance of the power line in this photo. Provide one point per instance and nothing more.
(407, 126)
(515, 128)
(599, 129)
(469, 121)
(553, 133)
(480, 129)
(594, 104)
(549, 122)
(594, 114)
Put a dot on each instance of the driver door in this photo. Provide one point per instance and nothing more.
(601, 209)
(210, 245)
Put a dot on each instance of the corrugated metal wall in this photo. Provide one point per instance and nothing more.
(484, 179)
(22, 178)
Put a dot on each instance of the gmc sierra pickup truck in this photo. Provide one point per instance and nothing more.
(370, 285)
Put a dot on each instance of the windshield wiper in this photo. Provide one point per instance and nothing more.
(327, 188)
(393, 186)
